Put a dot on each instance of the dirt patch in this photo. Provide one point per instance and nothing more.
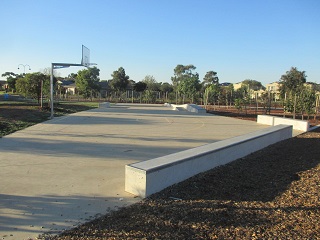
(14, 117)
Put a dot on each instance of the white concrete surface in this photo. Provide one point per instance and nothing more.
(297, 124)
(65, 171)
(187, 107)
(148, 177)
(195, 108)
(265, 119)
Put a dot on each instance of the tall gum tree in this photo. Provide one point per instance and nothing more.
(184, 73)
(211, 87)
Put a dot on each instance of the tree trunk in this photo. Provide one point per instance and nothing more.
(294, 106)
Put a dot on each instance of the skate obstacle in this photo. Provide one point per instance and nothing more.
(148, 177)
(299, 125)
(194, 108)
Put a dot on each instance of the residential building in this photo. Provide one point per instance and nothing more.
(273, 87)
(236, 86)
(274, 90)
(253, 93)
(67, 86)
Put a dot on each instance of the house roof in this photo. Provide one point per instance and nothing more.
(66, 82)
(225, 84)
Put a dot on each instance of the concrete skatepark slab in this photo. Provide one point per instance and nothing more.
(65, 171)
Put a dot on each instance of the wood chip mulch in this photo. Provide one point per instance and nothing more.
(271, 194)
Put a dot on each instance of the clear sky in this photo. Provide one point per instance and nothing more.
(239, 39)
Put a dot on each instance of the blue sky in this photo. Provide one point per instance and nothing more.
(247, 39)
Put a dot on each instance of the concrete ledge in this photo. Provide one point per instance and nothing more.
(273, 121)
(151, 176)
(104, 105)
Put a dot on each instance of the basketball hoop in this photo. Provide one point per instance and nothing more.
(85, 62)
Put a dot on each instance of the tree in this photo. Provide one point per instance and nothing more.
(238, 103)
(189, 85)
(229, 90)
(253, 84)
(33, 85)
(140, 86)
(291, 85)
(211, 78)
(211, 93)
(87, 82)
(211, 87)
(292, 81)
(153, 88)
(166, 88)
(11, 79)
(243, 93)
(151, 83)
(119, 80)
(307, 101)
(184, 73)
(22, 86)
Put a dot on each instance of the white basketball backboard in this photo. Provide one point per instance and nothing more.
(85, 61)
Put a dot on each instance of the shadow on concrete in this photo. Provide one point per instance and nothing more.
(34, 214)
(83, 149)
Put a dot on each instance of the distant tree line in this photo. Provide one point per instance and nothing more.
(185, 87)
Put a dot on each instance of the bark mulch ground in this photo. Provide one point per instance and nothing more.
(271, 194)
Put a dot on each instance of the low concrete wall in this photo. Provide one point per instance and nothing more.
(151, 176)
(273, 121)
(104, 105)
(265, 119)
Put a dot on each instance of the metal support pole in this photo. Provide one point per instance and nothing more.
(51, 92)
(41, 93)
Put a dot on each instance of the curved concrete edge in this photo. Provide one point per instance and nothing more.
(151, 176)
